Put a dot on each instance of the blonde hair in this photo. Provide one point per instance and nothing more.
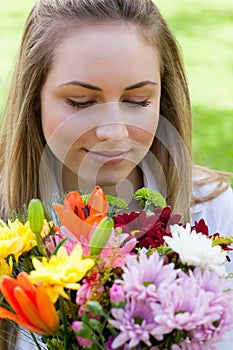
(203, 176)
(22, 140)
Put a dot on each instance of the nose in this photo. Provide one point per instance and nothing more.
(113, 124)
(111, 131)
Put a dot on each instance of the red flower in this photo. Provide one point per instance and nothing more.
(32, 307)
(79, 218)
(200, 226)
(149, 230)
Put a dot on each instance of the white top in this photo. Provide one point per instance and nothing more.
(218, 215)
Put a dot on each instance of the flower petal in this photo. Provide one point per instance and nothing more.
(73, 200)
(8, 285)
(68, 219)
(4, 313)
(47, 312)
(97, 202)
(31, 311)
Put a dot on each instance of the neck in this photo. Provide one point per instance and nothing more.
(124, 188)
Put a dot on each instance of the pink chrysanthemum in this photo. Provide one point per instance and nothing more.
(188, 344)
(144, 276)
(198, 304)
(135, 323)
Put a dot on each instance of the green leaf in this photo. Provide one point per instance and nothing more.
(63, 241)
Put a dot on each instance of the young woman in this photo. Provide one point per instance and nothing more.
(99, 96)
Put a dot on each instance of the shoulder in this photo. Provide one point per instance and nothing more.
(217, 211)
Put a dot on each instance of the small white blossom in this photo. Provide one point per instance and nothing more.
(195, 249)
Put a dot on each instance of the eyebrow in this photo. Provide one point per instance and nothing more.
(141, 84)
(96, 88)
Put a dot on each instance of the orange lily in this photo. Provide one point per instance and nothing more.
(33, 309)
(78, 217)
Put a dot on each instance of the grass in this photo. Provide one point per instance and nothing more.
(204, 30)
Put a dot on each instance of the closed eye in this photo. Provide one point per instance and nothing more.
(80, 105)
(143, 103)
(86, 104)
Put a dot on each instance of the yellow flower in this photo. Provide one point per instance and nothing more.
(61, 271)
(17, 238)
(10, 242)
(5, 268)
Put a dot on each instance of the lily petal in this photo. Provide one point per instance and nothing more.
(4, 313)
(48, 313)
(30, 303)
(30, 311)
(73, 200)
(69, 220)
(98, 202)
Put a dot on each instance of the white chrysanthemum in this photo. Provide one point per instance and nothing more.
(195, 249)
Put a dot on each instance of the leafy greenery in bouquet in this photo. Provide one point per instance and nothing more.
(96, 276)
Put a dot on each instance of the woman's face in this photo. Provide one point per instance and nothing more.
(100, 102)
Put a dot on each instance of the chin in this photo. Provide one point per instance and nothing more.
(102, 180)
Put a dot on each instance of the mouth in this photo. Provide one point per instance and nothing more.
(107, 156)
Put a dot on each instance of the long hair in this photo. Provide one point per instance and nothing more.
(22, 141)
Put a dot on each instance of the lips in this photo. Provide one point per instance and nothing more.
(107, 156)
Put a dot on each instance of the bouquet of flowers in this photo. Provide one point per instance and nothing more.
(95, 276)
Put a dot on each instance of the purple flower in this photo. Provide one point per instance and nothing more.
(108, 344)
(188, 344)
(198, 304)
(144, 276)
(220, 306)
(135, 323)
(117, 293)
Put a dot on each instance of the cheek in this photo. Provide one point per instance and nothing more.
(141, 137)
(144, 132)
(48, 126)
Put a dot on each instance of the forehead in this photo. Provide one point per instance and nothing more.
(100, 50)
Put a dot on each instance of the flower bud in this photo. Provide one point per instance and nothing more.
(101, 235)
(117, 294)
(36, 216)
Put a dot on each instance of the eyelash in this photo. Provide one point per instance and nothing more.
(144, 103)
(81, 105)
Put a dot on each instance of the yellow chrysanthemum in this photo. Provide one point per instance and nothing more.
(5, 268)
(61, 271)
(17, 238)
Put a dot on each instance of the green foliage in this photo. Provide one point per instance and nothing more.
(115, 204)
(204, 30)
(149, 199)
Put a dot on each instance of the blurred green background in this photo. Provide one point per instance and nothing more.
(204, 30)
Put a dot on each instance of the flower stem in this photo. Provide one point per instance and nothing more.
(35, 341)
(39, 245)
(64, 320)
